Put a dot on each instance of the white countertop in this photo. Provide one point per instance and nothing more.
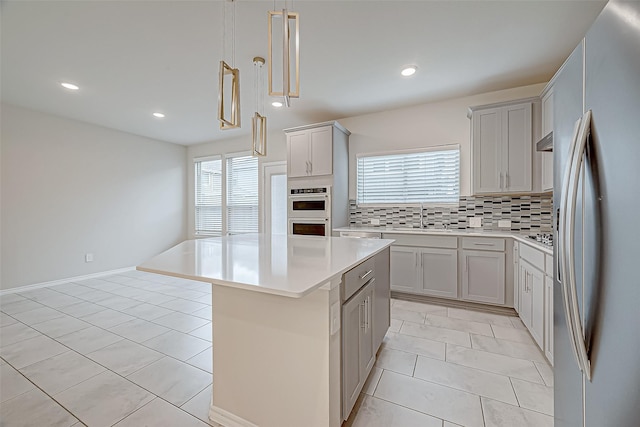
(291, 266)
(521, 237)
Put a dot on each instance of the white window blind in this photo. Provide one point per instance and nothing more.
(242, 194)
(418, 177)
(208, 196)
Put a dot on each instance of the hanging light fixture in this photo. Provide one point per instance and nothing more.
(229, 76)
(289, 22)
(259, 121)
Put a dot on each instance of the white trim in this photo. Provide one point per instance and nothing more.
(207, 158)
(265, 213)
(61, 281)
(446, 147)
(227, 419)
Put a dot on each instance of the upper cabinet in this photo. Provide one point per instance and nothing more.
(310, 149)
(501, 140)
(547, 126)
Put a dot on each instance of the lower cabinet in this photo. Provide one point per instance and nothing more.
(483, 277)
(439, 272)
(381, 299)
(358, 355)
(404, 268)
(532, 290)
(548, 307)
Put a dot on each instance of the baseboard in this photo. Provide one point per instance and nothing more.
(227, 419)
(487, 308)
(61, 281)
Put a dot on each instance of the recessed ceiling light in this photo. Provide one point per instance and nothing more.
(277, 104)
(69, 86)
(409, 70)
(158, 115)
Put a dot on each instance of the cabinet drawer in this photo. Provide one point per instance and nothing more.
(483, 244)
(447, 242)
(548, 265)
(533, 256)
(355, 278)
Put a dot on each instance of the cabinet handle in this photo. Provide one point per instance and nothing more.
(361, 314)
(307, 170)
(501, 187)
(366, 274)
(366, 312)
(483, 244)
(310, 168)
(506, 179)
(466, 263)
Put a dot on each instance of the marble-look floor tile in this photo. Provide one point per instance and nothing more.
(374, 412)
(205, 313)
(34, 408)
(507, 348)
(411, 316)
(24, 353)
(39, 295)
(417, 306)
(172, 380)
(436, 400)
(147, 311)
(61, 326)
(12, 383)
(537, 397)
(396, 361)
(38, 315)
(10, 298)
(466, 379)
(125, 357)
(180, 322)
(478, 316)
(199, 405)
(546, 372)
(203, 360)
(517, 323)
(395, 325)
(103, 400)
(72, 289)
(138, 330)
(6, 320)
(16, 307)
(16, 332)
(95, 296)
(493, 362)
(60, 372)
(183, 305)
(60, 300)
(178, 345)
(83, 308)
(160, 413)
(107, 318)
(458, 324)
(512, 334)
(154, 298)
(203, 332)
(498, 414)
(436, 334)
(372, 381)
(89, 340)
(116, 302)
(416, 345)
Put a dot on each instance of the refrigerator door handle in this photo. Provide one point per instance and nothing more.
(578, 157)
(563, 259)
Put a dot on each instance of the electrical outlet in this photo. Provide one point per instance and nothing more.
(475, 222)
(88, 257)
(504, 223)
(375, 221)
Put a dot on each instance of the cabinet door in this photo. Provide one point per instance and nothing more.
(525, 294)
(298, 154)
(440, 272)
(537, 307)
(367, 355)
(548, 315)
(381, 299)
(352, 323)
(321, 151)
(486, 139)
(404, 268)
(547, 126)
(483, 276)
(516, 277)
(517, 146)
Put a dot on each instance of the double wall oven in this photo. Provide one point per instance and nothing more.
(309, 211)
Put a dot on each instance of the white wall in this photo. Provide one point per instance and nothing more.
(69, 188)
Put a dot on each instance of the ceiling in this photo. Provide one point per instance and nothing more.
(131, 58)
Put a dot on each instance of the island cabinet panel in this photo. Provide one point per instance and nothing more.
(440, 272)
(381, 298)
(483, 277)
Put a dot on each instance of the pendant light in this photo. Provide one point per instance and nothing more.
(259, 121)
(285, 22)
(229, 76)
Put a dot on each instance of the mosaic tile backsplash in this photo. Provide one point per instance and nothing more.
(531, 213)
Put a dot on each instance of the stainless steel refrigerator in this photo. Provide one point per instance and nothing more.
(597, 195)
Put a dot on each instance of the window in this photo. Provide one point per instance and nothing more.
(208, 196)
(242, 194)
(428, 176)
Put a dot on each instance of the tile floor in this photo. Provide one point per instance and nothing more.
(134, 349)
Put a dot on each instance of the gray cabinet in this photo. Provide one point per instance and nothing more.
(381, 298)
(310, 152)
(501, 137)
(439, 271)
(483, 278)
(547, 126)
(548, 321)
(532, 289)
(404, 268)
(358, 355)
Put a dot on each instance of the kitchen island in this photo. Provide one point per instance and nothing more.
(276, 303)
